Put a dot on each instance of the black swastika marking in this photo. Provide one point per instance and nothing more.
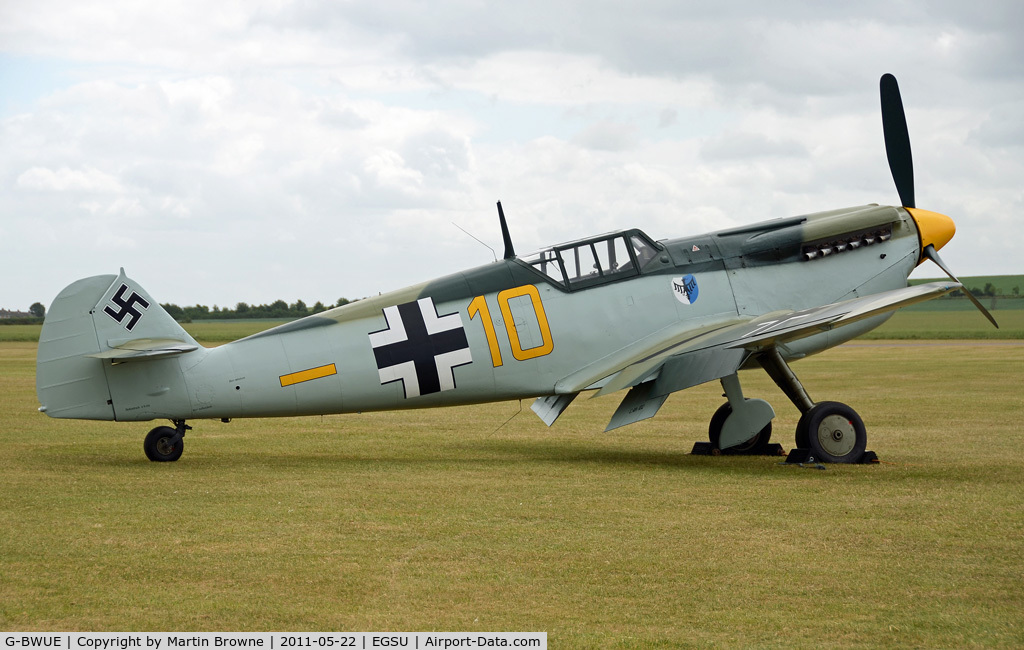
(127, 308)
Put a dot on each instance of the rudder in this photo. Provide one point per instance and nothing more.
(69, 384)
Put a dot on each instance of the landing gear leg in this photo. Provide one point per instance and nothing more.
(784, 378)
(831, 431)
(164, 444)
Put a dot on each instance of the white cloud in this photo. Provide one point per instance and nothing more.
(340, 140)
(744, 146)
(607, 136)
(87, 180)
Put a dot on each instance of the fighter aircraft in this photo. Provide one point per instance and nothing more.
(618, 311)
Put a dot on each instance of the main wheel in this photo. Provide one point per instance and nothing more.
(718, 421)
(158, 446)
(803, 437)
(835, 433)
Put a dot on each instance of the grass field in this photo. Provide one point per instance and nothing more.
(910, 324)
(453, 519)
(1003, 284)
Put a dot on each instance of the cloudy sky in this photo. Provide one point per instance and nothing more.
(249, 151)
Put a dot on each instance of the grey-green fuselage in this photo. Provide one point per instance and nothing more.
(524, 331)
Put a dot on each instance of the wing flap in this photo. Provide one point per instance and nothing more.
(640, 403)
(549, 407)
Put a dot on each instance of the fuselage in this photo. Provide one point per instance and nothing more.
(517, 327)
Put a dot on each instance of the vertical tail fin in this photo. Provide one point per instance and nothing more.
(92, 324)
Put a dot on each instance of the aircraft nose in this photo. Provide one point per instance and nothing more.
(932, 227)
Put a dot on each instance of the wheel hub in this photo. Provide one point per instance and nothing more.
(164, 446)
(836, 435)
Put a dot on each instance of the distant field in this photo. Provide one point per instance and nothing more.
(480, 518)
(911, 324)
(204, 332)
(228, 330)
(961, 303)
(20, 332)
(1004, 284)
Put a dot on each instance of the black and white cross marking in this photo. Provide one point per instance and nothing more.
(420, 348)
(126, 308)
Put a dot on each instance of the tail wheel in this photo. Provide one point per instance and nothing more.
(834, 433)
(160, 446)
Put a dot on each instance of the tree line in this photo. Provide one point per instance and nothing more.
(989, 290)
(279, 309)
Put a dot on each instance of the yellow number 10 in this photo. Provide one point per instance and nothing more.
(479, 306)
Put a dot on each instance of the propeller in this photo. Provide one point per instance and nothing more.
(897, 140)
(932, 254)
(901, 164)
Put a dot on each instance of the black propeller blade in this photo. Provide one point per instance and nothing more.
(897, 140)
(932, 254)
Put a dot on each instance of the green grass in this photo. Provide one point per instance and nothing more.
(9, 333)
(205, 332)
(453, 519)
(960, 303)
(910, 324)
(227, 330)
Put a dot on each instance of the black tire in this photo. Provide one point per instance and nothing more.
(835, 433)
(718, 421)
(158, 448)
(803, 436)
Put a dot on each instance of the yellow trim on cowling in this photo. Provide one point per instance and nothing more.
(932, 228)
(308, 375)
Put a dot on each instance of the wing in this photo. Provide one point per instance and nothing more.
(681, 357)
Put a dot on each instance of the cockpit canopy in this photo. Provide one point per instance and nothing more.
(595, 260)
